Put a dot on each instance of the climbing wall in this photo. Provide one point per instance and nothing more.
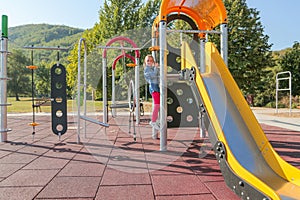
(181, 104)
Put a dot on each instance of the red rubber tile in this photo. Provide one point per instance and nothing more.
(8, 169)
(17, 193)
(187, 197)
(177, 167)
(29, 178)
(128, 192)
(220, 190)
(178, 185)
(71, 187)
(116, 177)
(76, 168)
(18, 158)
(43, 163)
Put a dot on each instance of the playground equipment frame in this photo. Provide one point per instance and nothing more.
(79, 116)
(104, 74)
(289, 78)
(161, 27)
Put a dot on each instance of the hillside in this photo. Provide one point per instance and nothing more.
(45, 35)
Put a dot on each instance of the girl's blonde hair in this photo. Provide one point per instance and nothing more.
(146, 58)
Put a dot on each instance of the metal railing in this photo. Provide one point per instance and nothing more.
(289, 88)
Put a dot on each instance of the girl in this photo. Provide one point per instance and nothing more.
(151, 73)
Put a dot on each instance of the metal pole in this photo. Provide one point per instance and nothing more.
(113, 92)
(290, 87)
(3, 80)
(224, 43)
(84, 85)
(104, 90)
(277, 84)
(32, 95)
(82, 40)
(202, 55)
(137, 90)
(163, 85)
(289, 78)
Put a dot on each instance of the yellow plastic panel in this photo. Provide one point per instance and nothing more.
(187, 58)
(234, 164)
(280, 166)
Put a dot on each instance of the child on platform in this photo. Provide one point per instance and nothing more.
(151, 74)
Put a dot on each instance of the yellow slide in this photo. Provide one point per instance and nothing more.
(249, 164)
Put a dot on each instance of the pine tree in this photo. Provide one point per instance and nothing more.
(148, 13)
(248, 48)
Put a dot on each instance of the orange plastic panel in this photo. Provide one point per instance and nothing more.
(154, 48)
(33, 124)
(31, 67)
(207, 14)
(131, 65)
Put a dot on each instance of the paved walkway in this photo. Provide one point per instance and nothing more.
(108, 164)
(282, 118)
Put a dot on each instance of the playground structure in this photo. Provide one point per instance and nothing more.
(250, 166)
(58, 97)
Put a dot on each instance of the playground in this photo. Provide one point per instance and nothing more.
(210, 144)
(121, 169)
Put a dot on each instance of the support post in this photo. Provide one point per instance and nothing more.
(224, 43)
(113, 92)
(3, 80)
(104, 90)
(82, 40)
(163, 85)
(137, 90)
(202, 55)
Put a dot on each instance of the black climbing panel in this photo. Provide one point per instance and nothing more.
(182, 110)
(59, 99)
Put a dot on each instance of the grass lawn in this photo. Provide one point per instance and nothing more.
(25, 106)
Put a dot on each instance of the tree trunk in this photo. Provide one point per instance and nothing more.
(17, 97)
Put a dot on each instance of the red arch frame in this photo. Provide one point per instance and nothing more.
(121, 56)
(121, 38)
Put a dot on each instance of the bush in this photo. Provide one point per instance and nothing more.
(272, 104)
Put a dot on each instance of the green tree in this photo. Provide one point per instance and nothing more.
(249, 53)
(20, 82)
(290, 61)
(43, 80)
(148, 13)
(116, 17)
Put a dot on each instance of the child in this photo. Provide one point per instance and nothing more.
(151, 73)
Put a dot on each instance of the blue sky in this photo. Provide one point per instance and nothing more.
(278, 17)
